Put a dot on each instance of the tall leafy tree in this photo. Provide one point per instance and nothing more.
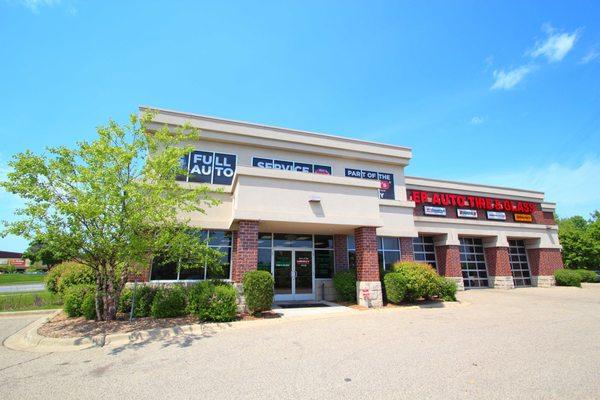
(580, 239)
(112, 203)
(39, 251)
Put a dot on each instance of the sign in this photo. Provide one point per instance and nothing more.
(477, 202)
(463, 213)
(496, 215)
(437, 211)
(290, 166)
(386, 181)
(17, 262)
(523, 218)
(208, 167)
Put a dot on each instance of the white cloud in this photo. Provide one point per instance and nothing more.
(575, 189)
(556, 46)
(593, 54)
(34, 5)
(508, 79)
(476, 120)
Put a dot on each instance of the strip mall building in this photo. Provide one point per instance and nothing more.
(304, 205)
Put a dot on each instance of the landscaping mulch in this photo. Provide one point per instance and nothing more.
(62, 326)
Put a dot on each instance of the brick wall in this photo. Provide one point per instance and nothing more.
(142, 276)
(406, 249)
(497, 261)
(367, 263)
(544, 261)
(340, 249)
(245, 249)
(448, 260)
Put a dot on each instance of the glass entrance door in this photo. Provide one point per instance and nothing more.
(293, 273)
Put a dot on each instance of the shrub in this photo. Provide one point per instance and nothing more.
(585, 275)
(88, 305)
(258, 290)
(417, 280)
(447, 289)
(144, 295)
(212, 302)
(344, 283)
(567, 277)
(74, 299)
(68, 274)
(168, 302)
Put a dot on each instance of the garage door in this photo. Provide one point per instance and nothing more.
(472, 262)
(518, 263)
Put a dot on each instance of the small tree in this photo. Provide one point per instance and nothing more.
(112, 203)
(40, 252)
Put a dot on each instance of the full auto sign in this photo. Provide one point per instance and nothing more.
(477, 202)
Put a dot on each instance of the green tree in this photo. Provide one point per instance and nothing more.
(580, 239)
(42, 252)
(112, 203)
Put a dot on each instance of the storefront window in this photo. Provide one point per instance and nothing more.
(324, 260)
(217, 239)
(388, 251)
(292, 240)
(424, 250)
(265, 244)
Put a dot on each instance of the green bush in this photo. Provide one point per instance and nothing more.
(447, 289)
(258, 290)
(417, 281)
(168, 302)
(344, 283)
(212, 302)
(88, 305)
(585, 275)
(144, 295)
(567, 277)
(75, 297)
(68, 274)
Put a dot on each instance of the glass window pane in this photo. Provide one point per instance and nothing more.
(323, 263)
(264, 240)
(379, 243)
(351, 245)
(391, 257)
(292, 240)
(264, 259)
(391, 243)
(380, 258)
(220, 238)
(163, 270)
(323, 242)
(196, 273)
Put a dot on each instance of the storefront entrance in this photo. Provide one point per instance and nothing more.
(293, 273)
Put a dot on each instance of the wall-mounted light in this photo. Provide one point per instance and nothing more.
(314, 199)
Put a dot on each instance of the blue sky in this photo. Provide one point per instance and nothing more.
(500, 92)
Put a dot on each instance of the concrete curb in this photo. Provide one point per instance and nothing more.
(27, 313)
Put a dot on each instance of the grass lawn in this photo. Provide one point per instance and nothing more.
(15, 279)
(29, 301)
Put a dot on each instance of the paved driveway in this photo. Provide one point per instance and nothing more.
(524, 343)
(25, 287)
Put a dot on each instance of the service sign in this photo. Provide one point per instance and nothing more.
(523, 218)
(209, 167)
(386, 181)
(473, 202)
(290, 166)
(464, 213)
(437, 211)
(496, 215)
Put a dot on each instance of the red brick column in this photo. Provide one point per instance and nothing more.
(497, 261)
(543, 263)
(340, 249)
(498, 266)
(406, 249)
(448, 260)
(245, 249)
(367, 263)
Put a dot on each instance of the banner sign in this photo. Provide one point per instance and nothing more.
(463, 213)
(290, 166)
(209, 167)
(481, 203)
(17, 262)
(523, 218)
(496, 215)
(437, 211)
(386, 181)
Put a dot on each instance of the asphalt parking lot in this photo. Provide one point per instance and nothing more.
(519, 344)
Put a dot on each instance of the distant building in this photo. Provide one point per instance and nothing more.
(14, 259)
